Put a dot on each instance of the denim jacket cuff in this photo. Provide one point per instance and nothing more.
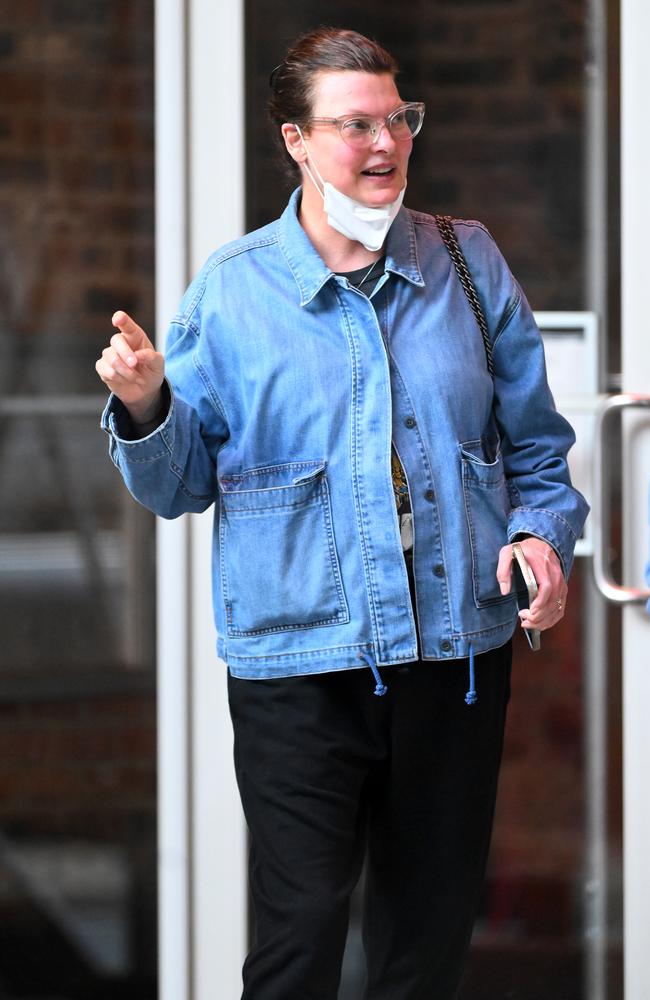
(117, 423)
(547, 525)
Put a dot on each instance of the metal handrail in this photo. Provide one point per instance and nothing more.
(608, 586)
(75, 404)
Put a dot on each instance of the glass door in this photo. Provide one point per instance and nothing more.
(77, 575)
(626, 587)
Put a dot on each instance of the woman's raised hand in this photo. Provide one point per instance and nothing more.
(132, 368)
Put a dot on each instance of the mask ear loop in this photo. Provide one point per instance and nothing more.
(306, 165)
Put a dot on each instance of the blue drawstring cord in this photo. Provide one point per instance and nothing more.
(381, 688)
(471, 697)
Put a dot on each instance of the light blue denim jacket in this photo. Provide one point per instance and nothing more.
(287, 386)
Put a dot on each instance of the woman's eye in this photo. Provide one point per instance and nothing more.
(356, 125)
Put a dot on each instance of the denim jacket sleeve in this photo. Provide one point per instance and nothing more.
(535, 438)
(172, 470)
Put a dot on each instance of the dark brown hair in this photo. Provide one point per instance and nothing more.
(322, 49)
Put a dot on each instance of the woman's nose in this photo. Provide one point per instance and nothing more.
(383, 137)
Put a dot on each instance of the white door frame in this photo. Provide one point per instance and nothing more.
(635, 158)
(199, 206)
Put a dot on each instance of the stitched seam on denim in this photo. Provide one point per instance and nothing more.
(306, 494)
(431, 483)
(212, 392)
(310, 501)
(515, 301)
(366, 545)
(514, 493)
(334, 556)
(306, 295)
(304, 653)
(483, 469)
(502, 626)
(320, 499)
(178, 472)
(183, 318)
(188, 493)
(296, 277)
(262, 470)
(413, 247)
(143, 461)
(508, 316)
(425, 219)
(543, 510)
(492, 487)
(339, 618)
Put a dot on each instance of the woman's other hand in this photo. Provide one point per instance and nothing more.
(549, 606)
(132, 369)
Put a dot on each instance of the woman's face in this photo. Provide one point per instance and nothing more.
(340, 93)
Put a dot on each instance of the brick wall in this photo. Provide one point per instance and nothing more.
(78, 766)
(76, 184)
(76, 225)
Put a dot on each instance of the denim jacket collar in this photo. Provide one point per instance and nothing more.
(310, 271)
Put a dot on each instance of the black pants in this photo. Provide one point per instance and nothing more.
(328, 772)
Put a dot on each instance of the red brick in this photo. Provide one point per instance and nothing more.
(21, 88)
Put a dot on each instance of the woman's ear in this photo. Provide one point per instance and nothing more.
(293, 142)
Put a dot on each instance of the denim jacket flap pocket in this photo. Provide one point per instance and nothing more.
(279, 565)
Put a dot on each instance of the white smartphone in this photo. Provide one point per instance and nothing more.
(526, 590)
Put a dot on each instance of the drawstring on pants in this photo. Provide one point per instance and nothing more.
(380, 688)
(471, 697)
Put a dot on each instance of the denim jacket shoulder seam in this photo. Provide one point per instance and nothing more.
(235, 250)
(515, 300)
(426, 219)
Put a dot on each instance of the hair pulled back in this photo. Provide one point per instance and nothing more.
(292, 82)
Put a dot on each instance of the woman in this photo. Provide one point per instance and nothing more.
(321, 371)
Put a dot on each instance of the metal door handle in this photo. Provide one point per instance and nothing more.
(605, 582)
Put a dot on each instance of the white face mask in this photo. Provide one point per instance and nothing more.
(364, 223)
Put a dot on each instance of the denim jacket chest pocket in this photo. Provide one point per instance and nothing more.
(278, 561)
(487, 505)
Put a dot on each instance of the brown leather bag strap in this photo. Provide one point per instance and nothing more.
(449, 238)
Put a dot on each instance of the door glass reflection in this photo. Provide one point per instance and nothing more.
(77, 711)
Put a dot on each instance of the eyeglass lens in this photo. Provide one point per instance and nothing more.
(362, 131)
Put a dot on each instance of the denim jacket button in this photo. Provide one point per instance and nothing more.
(410, 422)
(429, 495)
(439, 569)
(445, 645)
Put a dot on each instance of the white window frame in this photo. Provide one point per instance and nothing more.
(200, 181)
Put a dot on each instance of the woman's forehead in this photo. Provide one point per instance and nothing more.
(340, 92)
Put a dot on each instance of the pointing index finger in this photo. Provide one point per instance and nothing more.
(126, 325)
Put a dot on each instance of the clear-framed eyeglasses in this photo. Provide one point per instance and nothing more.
(361, 131)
